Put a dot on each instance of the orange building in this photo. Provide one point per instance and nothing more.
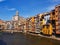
(30, 24)
(2, 24)
(55, 19)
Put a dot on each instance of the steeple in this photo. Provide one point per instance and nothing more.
(17, 13)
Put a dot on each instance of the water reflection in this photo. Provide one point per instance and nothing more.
(33, 40)
(2, 42)
(21, 39)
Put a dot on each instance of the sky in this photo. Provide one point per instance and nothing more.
(26, 8)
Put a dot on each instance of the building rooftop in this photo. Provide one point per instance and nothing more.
(58, 5)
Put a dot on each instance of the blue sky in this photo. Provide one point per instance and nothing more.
(26, 8)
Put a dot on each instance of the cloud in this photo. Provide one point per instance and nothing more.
(54, 0)
(50, 8)
(11, 9)
(2, 0)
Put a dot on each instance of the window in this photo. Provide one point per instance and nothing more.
(0, 26)
(53, 13)
(56, 11)
(59, 6)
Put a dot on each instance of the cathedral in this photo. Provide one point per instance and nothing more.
(16, 17)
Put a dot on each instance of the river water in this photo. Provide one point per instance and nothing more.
(25, 39)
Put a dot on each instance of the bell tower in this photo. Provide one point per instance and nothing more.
(16, 16)
(17, 13)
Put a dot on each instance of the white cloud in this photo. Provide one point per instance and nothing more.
(50, 8)
(11, 9)
(2, 0)
(54, 0)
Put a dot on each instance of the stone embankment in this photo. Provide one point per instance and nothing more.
(51, 37)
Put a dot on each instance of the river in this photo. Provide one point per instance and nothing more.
(25, 39)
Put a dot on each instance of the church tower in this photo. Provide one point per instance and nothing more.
(17, 13)
(16, 16)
